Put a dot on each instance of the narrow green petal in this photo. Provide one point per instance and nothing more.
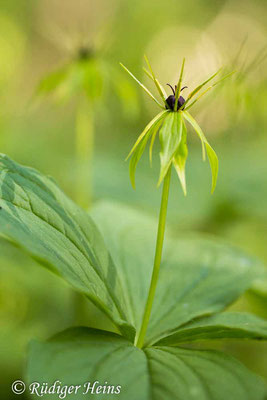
(151, 77)
(213, 159)
(170, 137)
(199, 87)
(179, 159)
(148, 73)
(156, 82)
(209, 88)
(178, 89)
(142, 86)
(147, 128)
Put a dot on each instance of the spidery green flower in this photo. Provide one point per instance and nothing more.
(170, 123)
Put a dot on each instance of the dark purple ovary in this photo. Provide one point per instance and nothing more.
(171, 102)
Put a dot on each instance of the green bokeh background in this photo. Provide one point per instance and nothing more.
(37, 37)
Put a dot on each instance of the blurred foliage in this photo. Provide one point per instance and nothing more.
(209, 34)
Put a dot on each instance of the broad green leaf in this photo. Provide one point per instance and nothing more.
(181, 374)
(213, 159)
(81, 355)
(170, 136)
(227, 325)
(199, 276)
(36, 216)
(180, 157)
(149, 126)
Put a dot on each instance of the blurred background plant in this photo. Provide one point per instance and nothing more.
(86, 79)
(209, 33)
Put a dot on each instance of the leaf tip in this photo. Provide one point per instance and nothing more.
(132, 179)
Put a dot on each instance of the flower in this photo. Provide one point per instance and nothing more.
(170, 123)
(87, 71)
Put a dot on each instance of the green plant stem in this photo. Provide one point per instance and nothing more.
(84, 153)
(157, 260)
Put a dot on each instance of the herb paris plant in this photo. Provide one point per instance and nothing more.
(173, 140)
(108, 257)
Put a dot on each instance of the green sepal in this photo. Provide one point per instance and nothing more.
(154, 131)
(170, 136)
(137, 154)
(214, 165)
(149, 126)
(213, 159)
(140, 147)
(179, 159)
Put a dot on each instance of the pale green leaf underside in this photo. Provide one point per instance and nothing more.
(82, 355)
(198, 276)
(36, 216)
(227, 325)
